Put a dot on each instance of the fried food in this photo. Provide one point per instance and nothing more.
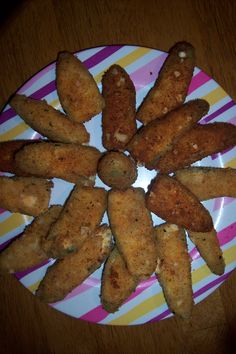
(8, 150)
(156, 138)
(26, 251)
(63, 276)
(78, 92)
(208, 246)
(131, 225)
(197, 143)
(26, 195)
(118, 116)
(173, 202)
(48, 121)
(72, 162)
(117, 283)
(171, 86)
(82, 213)
(174, 269)
(117, 170)
(208, 182)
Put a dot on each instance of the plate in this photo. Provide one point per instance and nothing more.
(147, 303)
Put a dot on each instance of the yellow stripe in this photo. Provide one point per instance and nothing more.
(34, 286)
(231, 163)
(125, 61)
(11, 134)
(157, 300)
(215, 96)
(14, 221)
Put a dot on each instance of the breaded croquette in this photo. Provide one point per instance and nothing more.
(208, 246)
(208, 182)
(26, 195)
(72, 162)
(117, 170)
(82, 213)
(63, 276)
(8, 150)
(171, 86)
(174, 269)
(131, 225)
(77, 90)
(174, 203)
(118, 116)
(117, 283)
(48, 121)
(197, 143)
(26, 251)
(156, 138)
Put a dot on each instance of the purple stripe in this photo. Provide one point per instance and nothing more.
(196, 294)
(22, 274)
(161, 316)
(39, 94)
(36, 77)
(218, 112)
(101, 55)
(6, 243)
(212, 284)
(215, 156)
(51, 86)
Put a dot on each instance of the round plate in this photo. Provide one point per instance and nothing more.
(147, 303)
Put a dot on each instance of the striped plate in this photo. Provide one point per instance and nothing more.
(147, 303)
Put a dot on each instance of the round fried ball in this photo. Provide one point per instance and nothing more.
(117, 170)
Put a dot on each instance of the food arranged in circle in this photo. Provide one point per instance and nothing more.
(123, 226)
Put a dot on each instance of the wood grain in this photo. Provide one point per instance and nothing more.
(30, 37)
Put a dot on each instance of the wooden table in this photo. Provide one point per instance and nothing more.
(30, 37)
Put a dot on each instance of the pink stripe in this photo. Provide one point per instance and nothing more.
(227, 234)
(198, 80)
(86, 285)
(95, 315)
(232, 120)
(224, 236)
(2, 210)
(36, 77)
(147, 73)
(98, 314)
(221, 202)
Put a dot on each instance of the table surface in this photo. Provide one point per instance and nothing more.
(31, 34)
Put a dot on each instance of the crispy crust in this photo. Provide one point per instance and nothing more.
(62, 277)
(77, 90)
(171, 86)
(208, 246)
(80, 216)
(197, 143)
(48, 121)
(26, 195)
(132, 228)
(174, 269)
(118, 116)
(174, 203)
(208, 182)
(117, 170)
(155, 139)
(8, 150)
(71, 162)
(117, 283)
(26, 251)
